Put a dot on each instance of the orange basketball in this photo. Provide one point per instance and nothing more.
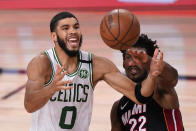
(120, 29)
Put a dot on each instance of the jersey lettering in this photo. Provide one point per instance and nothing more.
(80, 94)
(137, 109)
(140, 122)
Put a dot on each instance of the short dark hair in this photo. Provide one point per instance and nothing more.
(146, 43)
(59, 16)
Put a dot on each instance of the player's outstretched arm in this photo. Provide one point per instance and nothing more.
(105, 70)
(115, 122)
(36, 95)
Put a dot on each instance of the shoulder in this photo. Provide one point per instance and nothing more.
(116, 103)
(114, 117)
(39, 60)
(115, 108)
(40, 64)
(97, 59)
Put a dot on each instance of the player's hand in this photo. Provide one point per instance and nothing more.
(157, 64)
(58, 83)
(138, 54)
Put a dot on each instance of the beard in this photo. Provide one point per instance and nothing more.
(63, 46)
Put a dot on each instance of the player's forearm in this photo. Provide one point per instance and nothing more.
(148, 86)
(36, 99)
(122, 84)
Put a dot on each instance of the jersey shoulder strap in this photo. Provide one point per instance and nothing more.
(85, 57)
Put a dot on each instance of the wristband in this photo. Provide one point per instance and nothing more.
(139, 96)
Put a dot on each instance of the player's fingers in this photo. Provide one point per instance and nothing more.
(141, 53)
(64, 87)
(136, 52)
(129, 51)
(59, 69)
(132, 52)
(161, 56)
(156, 52)
(60, 76)
(61, 83)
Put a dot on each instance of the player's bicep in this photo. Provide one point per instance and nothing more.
(121, 83)
(166, 98)
(103, 69)
(115, 122)
(36, 75)
(114, 77)
(108, 72)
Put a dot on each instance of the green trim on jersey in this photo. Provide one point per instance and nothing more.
(57, 60)
(52, 76)
(91, 69)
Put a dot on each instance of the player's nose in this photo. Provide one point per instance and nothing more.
(72, 31)
(131, 63)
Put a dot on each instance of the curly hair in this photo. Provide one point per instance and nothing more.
(146, 43)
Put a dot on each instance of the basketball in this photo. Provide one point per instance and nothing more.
(120, 29)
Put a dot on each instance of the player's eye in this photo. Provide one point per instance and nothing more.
(76, 26)
(65, 28)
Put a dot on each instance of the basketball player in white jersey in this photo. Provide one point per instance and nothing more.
(59, 90)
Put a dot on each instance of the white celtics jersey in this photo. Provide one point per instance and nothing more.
(68, 110)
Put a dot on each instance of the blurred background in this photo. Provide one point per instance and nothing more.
(24, 33)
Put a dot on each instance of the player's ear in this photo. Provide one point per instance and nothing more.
(54, 36)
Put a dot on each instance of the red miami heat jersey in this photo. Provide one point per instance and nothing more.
(148, 117)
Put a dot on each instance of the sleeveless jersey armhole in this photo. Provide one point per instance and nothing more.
(52, 76)
(119, 112)
(91, 69)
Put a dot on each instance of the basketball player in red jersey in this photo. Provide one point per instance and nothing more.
(161, 113)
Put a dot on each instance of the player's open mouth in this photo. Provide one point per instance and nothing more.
(73, 42)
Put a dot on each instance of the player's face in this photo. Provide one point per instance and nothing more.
(134, 68)
(69, 36)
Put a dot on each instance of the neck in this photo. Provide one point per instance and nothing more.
(70, 63)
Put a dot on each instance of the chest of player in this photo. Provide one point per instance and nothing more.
(146, 117)
(81, 83)
(81, 90)
(132, 114)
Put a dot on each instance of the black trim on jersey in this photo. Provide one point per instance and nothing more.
(91, 68)
(139, 96)
(85, 61)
